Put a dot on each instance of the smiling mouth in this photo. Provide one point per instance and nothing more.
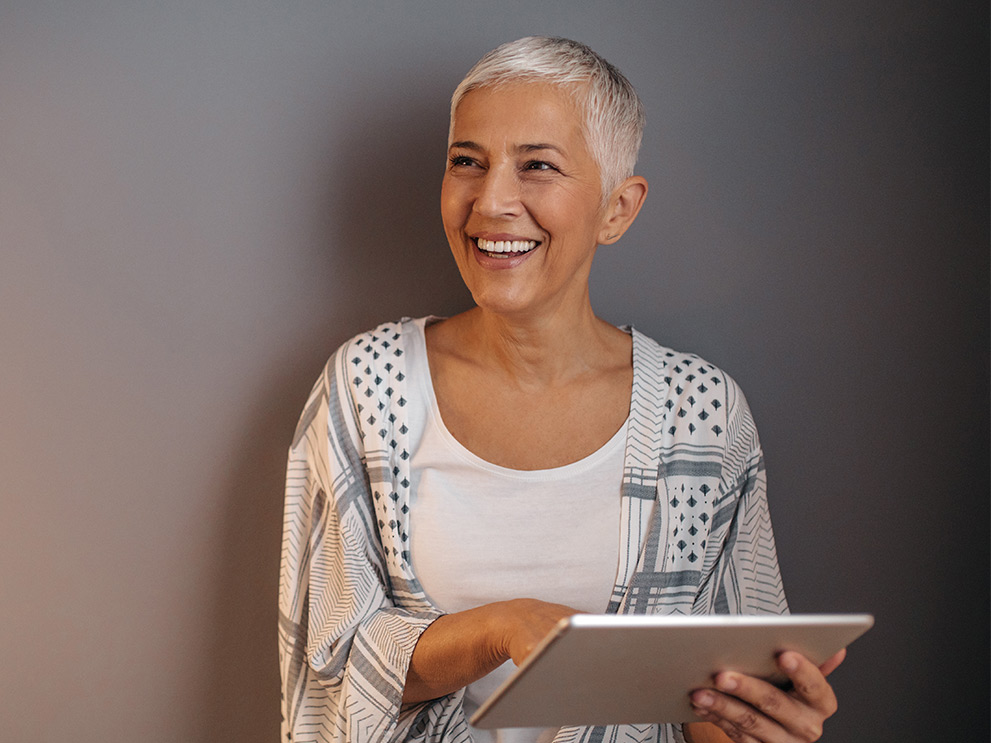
(505, 248)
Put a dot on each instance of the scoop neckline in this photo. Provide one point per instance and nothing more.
(434, 418)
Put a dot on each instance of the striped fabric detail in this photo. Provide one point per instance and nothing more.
(696, 538)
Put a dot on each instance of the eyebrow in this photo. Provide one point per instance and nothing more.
(467, 144)
(540, 146)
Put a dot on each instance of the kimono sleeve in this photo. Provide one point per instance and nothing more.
(744, 577)
(344, 646)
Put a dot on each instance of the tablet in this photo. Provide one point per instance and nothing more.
(594, 669)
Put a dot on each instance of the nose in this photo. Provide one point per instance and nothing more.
(498, 193)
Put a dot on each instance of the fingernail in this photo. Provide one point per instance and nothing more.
(726, 682)
(789, 662)
(703, 699)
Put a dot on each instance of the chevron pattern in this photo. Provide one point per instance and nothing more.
(695, 527)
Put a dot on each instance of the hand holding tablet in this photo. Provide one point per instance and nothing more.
(748, 708)
(613, 669)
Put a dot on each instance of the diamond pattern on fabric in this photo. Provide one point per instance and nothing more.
(696, 537)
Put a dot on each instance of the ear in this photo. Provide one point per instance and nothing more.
(622, 208)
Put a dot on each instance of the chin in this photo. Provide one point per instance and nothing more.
(507, 306)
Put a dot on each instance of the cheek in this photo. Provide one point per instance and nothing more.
(452, 206)
(564, 208)
(563, 216)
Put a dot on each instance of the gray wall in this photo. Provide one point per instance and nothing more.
(200, 200)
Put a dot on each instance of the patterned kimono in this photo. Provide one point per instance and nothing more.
(695, 538)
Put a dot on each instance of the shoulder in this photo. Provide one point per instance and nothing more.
(699, 398)
(366, 365)
(375, 348)
(368, 359)
(686, 374)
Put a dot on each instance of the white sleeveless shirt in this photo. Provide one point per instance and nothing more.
(481, 533)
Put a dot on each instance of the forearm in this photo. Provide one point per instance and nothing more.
(455, 650)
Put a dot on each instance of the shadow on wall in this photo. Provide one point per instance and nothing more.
(380, 226)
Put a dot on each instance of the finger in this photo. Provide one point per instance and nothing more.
(830, 665)
(786, 712)
(726, 727)
(739, 720)
(809, 684)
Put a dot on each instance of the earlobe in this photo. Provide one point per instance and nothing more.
(624, 205)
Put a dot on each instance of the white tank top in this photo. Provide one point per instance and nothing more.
(481, 533)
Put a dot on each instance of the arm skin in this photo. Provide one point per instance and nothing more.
(747, 710)
(457, 649)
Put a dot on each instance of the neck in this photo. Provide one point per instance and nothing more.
(540, 350)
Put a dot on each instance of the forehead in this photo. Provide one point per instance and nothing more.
(521, 113)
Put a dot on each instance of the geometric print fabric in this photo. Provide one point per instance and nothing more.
(696, 537)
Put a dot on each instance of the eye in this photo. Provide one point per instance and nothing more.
(460, 161)
(538, 165)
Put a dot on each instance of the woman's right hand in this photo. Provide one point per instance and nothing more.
(527, 623)
(460, 648)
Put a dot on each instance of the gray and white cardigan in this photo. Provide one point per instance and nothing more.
(695, 529)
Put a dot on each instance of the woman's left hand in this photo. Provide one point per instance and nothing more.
(750, 710)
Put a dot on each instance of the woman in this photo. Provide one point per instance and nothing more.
(457, 486)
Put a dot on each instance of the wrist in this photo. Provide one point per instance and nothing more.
(501, 626)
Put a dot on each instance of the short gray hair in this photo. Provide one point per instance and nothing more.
(614, 116)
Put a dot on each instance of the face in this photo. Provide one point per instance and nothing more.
(521, 200)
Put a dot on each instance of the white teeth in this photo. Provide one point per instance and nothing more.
(506, 246)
